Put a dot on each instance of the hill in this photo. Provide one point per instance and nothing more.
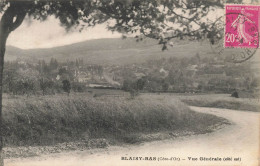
(109, 51)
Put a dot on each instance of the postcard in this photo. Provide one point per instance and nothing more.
(129, 83)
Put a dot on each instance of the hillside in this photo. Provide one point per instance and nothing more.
(110, 51)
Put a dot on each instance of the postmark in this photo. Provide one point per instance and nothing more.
(241, 26)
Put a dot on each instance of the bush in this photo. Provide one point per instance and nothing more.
(133, 93)
(78, 87)
(235, 94)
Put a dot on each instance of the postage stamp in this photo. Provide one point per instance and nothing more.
(241, 26)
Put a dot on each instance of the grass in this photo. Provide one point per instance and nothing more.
(227, 102)
(218, 101)
(48, 120)
(235, 105)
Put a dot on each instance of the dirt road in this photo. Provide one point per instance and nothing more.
(239, 140)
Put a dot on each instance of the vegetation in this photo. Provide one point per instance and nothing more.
(250, 103)
(48, 120)
(22, 78)
(234, 105)
(66, 86)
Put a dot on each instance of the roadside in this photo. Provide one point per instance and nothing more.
(237, 140)
(40, 125)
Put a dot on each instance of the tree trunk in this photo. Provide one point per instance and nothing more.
(3, 38)
(11, 19)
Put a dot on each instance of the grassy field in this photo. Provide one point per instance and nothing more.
(221, 101)
(48, 120)
(214, 101)
(246, 102)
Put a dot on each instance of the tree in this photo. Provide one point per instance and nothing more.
(28, 87)
(9, 80)
(140, 83)
(165, 86)
(66, 86)
(45, 83)
(146, 18)
(127, 85)
(53, 64)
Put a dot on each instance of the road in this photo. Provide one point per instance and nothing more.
(239, 140)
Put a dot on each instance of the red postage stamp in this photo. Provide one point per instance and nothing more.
(242, 26)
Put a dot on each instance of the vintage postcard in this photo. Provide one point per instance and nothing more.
(129, 83)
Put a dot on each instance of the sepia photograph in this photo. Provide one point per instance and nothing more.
(129, 83)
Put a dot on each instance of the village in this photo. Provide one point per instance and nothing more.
(179, 75)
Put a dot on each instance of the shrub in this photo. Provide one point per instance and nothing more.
(235, 94)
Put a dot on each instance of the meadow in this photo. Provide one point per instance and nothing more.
(48, 120)
(246, 101)
(221, 101)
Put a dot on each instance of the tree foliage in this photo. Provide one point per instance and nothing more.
(66, 86)
(158, 19)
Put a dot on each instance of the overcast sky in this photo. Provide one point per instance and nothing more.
(50, 34)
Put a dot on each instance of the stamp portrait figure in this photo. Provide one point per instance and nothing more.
(243, 36)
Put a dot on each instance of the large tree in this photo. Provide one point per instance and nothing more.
(158, 19)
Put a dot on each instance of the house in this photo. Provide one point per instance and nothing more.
(58, 77)
(83, 77)
(192, 68)
(65, 67)
(163, 71)
(22, 63)
(139, 75)
(99, 85)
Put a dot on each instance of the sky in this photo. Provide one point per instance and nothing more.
(47, 34)
(50, 34)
